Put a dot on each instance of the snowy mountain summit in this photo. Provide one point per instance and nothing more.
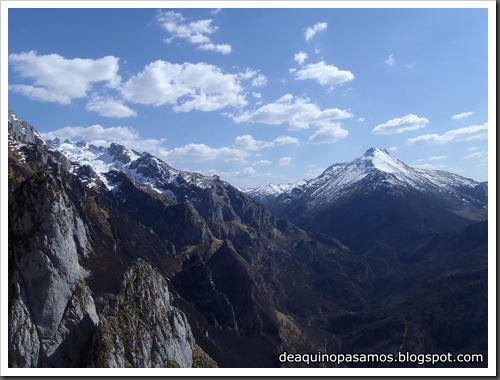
(375, 169)
(99, 166)
(380, 194)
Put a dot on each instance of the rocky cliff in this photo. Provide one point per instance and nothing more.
(57, 228)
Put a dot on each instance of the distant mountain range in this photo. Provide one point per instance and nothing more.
(377, 199)
(116, 259)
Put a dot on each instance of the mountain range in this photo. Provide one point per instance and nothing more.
(386, 200)
(116, 259)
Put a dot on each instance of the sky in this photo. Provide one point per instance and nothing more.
(258, 95)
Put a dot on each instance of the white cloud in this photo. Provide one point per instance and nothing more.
(242, 148)
(437, 158)
(328, 134)
(262, 163)
(248, 142)
(401, 124)
(476, 155)
(109, 107)
(361, 119)
(285, 161)
(60, 80)
(326, 75)
(195, 32)
(298, 113)
(462, 115)
(311, 31)
(202, 153)
(259, 81)
(300, 57)
(40, 94)
(249, 171)
(257, 95)
(474, 132)
(286, 140)
(390, 60)
(393, 149)
(186, 86)
(220, 48)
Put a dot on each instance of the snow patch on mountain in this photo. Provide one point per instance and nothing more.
(143, 168)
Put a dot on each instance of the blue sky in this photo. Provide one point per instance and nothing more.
(256, 95)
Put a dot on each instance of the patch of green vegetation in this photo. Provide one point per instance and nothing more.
(201, 359)
(171, 364)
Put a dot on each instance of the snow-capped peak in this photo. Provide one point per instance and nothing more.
(143, 168)
(273, 189)
(381, 160)
(376, 168)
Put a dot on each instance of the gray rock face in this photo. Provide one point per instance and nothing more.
(21, 130)
(24, 343)
(52, 307)
(143, 329)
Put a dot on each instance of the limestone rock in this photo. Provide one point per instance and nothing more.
(143, 329)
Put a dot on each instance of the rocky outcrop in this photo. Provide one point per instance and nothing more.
(51, 305)
(142, 328)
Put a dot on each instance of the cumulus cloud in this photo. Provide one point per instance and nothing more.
(473, 132)
(311, 31)
(249, 143)
(187, 86)
(328, 134)
(242, 148)
(219, 48)
(326, 75)
(361, 119)
(195, 32)
(393, 149)
(298, 113)
(109, 107)
(300, 57)
(60, 80)
(258, 79)
(285, 161)
(201, 153)
(401, 124)
(462, 115)
(390, 60)
(262, 163)
(286, 140)
(40, 94)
